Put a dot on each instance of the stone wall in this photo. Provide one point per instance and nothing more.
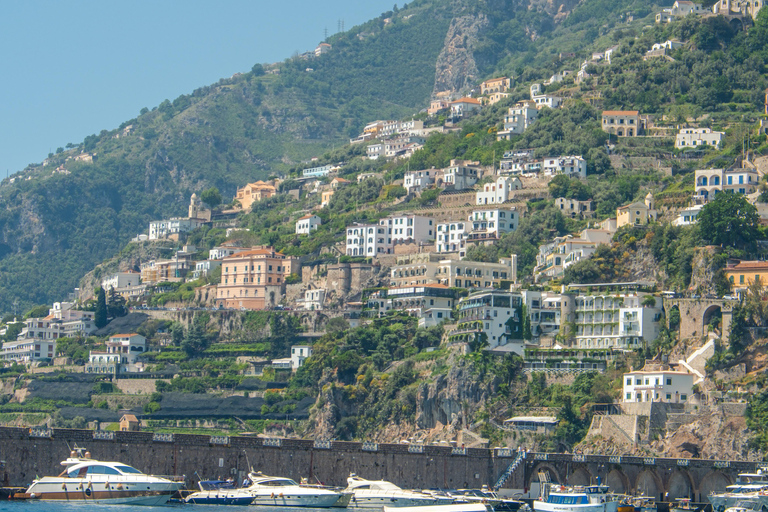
(200, 456)
(136, 386)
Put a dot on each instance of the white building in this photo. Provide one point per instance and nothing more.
(619, 322)
(299, 354)
(688, 216)
(499, 191)
(692, 137)
(450, 237)
(160, 229)
(407, 228)
(317, 172)
(224, 251)
(490, 223)
(518, 119)
(121, 280)
(679, 9)
(366, 240)
(205, 267)
(572, 166)
(710, 182)
(417, 181)
(545, 100)
(658, 386)
(313, 299)
(492, 315)
(431, 302)
(462, 174)
(544, 311)
(375, 150)
(429, 268)
(307, 224)
(29, 350)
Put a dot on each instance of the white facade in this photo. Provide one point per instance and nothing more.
(313, 299)
(499, 191)
(492, 222)
(366, 240)
(128, 346)
(688, 216)
(307, 224)
(299, 354)
(710, 182)
(159, 229)
(692, 137)
(545, 100)
(435, 300)
(494, 314)
(417, 181)
(450, 237)
(317, 172)
(375, 150)
(29, 350)
(518, 119)
(657, 386)
(221, 252)
(121, 280)
(407, 228)
(460, 176)
(205, 267)
(619, 322)
(573, 166)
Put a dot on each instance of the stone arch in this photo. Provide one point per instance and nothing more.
(709, 314)
(554, 475)
(648, 483)
(580, 476)
(680, 485)
(617, 481)
(714, 481)
(670, 325)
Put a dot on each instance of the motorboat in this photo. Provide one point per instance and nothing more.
(642, 503)
(380, 493)
(283, 492)
(747, 505)
(91, 480)
(682, 505)
(219, 492)
(454, 507)
(487, 496)
(747, 486)
(579, 498)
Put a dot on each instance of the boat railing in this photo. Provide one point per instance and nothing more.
(173, 478)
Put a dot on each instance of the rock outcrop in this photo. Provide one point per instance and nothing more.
(456, 69)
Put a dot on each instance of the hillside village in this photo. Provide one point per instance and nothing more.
(291, 268)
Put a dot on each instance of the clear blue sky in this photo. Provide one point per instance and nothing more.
(72, 68)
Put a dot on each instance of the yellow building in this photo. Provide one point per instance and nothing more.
(253, 192)
(623, 123)
(500, 84)
(637, 214)
(744, 273)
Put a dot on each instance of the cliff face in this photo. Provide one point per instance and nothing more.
(456, 69)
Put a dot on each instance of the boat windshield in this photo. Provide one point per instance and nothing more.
(277, 482)
(81, 471)
(128, 469)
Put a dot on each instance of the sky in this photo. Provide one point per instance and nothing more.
(71, 69)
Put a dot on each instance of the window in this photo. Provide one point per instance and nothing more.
(669, 396)
(629, 396)
(629, 381)
(683, 398)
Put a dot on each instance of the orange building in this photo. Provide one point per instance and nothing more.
(254, 192)
(254, 279)
(744, 273)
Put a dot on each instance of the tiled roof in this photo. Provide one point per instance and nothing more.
(620, 112)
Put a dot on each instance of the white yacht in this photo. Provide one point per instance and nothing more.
(588, 498)
(747, 485)
(380, 493)
(217, 492)
(284, 492)
(87, 479)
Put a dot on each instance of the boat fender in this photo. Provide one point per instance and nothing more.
(64, 486)
(273, 496)
(281, 495)
(119, 487)
(33, 495)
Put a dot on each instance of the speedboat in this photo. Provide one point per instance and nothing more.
(746, 505)
(284, 492)
(455, 507)
(91, 480)
(380, 493)
(682, 505)
(588, 498)
(219, 492)
(487, 496)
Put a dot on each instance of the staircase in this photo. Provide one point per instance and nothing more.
(510, 469)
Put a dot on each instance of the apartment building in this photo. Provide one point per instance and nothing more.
(657, 386)
(518, 119)
(450, 237)
(620, 322)
(307, 224)
(693, 137)
(491, 317)
(499, 191)
(710, 182)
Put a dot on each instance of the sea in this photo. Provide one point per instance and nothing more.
(51, 506)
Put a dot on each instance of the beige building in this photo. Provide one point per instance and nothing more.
(636, 214)
(253, 192)
(622, 123)
(744, 273)
(500, 84)
(254, 279)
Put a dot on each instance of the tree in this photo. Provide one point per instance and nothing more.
(116, 306)
(100, 317)
(211, 197)
(195, 342)
(729, 221)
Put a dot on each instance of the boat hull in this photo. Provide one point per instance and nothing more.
(458, 507)
(147, 498)
(220, 497)
(295, 500)
(371, 501)
(609, 506)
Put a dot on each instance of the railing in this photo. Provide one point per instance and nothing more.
(415, 448)
(458, 451)
(103, 435)
(370, 447)
(274, 442)
(510, 469)
(322, 445)
(160, 437)
(219, 440)
(40, 432)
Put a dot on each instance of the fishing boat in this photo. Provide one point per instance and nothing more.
(91, 480)
(587, 498)
(380, 493)
(284, 492)
(682, 505)
(219, 492)
(642, 503)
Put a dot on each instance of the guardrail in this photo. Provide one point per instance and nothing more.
(370, 447)
(40, 432)
(162, 437)
(274, 442)
(458, 451)
(322, 445)
(415, 448)
(219, 440)
(104, 435)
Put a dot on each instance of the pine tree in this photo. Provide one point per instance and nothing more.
(100, 317)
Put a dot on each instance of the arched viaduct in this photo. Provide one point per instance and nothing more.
(695, 315)
(662, 478)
